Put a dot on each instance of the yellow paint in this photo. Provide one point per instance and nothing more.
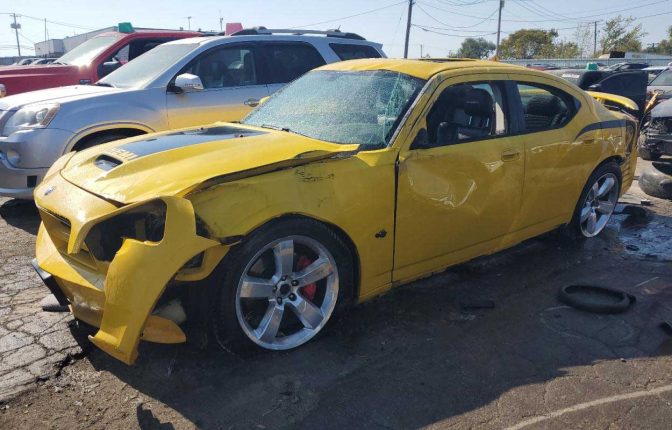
(452, 203)
(613, 98)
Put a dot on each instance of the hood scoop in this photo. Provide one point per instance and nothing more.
(106, 162)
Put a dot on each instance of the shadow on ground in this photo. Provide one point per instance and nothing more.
(418, 356)
(21, 214)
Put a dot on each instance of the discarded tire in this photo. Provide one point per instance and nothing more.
(592, 298)
(656, 181)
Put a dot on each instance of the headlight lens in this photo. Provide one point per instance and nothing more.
(32, 116)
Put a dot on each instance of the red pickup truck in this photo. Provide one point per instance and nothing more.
(88, 62)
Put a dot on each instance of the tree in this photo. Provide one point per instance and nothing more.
(566, 49)
(475, 48)
(584, 38)
(664, 46)
(529, 43)
(618, 36)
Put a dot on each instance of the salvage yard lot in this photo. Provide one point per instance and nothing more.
(483, 345)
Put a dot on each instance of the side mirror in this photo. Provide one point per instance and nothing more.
(108, 67)
(188, 83)
(421, 140)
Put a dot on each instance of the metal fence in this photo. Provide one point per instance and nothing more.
(581, 63)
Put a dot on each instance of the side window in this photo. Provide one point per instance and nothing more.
(139, 47)
(121, 55)
(346, 51)
(225, 67)
(288, 61)
(466, 112)
(544, 107)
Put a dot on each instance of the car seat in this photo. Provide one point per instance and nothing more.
(544, 111)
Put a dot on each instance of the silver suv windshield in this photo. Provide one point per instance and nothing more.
(361, 107)
(147, 66)
(83, 54)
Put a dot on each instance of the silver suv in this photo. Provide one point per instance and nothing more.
(178, 84)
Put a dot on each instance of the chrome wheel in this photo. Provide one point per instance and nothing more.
(599, 204)
(287, 292)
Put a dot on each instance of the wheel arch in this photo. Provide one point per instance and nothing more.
(128, 130)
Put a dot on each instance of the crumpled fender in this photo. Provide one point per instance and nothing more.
(138, 275)
(613, 98)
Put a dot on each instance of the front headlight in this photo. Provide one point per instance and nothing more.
(31, 116)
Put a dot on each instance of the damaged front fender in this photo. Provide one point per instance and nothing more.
(138, 275)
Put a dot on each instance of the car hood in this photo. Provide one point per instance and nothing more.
(55, 95)
(37, 71)
(177, 162)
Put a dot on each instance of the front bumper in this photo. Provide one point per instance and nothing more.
(659, 143)
(26, 156)
(118, 296)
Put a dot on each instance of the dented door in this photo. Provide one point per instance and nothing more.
(455, 199)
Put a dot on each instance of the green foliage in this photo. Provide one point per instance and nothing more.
(476, 48)
(618, 36)
(531, 43)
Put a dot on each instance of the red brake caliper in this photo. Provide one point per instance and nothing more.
(309, 290)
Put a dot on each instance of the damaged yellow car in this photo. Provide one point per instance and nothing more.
(357, 177)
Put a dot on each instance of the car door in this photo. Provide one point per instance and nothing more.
(287, 61)
(460, 181)
(232, 85)
(556, 164)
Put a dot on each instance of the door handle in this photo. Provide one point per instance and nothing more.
(251, 102)
(510, 155)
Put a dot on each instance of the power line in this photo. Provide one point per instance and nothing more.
(350, 16)
(457, 27)
(451, 35)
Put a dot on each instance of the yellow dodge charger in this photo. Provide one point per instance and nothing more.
(357, 177)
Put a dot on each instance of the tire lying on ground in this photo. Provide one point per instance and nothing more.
(656, 180)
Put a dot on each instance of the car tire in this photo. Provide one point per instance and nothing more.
(241, 321)
(647, 154)
(590, 202)
(99, 140)
(656, 180)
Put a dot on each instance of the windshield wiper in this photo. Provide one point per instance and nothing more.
(103, 84)
(278, 128)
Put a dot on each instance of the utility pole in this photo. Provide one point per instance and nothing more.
(408, 27)
(189, 23)
(421, 56)
(595, 38)
(16, 27)
(499, 28)
(221, 22)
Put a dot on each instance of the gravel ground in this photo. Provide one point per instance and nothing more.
(420, 356)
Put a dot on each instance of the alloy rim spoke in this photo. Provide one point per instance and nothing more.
(585, 213)
(605, 207)
(596, 189)
(256, 288)
(310, 315)
(606, 186)
(269, 325)
(284, 257)
(592, 222)
(316, 271)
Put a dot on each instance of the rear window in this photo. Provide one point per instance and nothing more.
(664, 79)
(347, 51)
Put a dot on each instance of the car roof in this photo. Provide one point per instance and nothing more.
(423, 69)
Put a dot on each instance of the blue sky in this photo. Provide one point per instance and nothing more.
(445, 22)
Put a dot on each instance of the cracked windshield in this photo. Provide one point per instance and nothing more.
(341, 107)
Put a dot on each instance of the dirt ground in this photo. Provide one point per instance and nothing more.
(483, 345)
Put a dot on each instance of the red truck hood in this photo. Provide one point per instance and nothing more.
(19, 79)
(42, 70)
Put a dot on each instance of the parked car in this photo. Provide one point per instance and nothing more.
(654, 71)
(41, 61)
(317, 199)
(620, 67)
(630, 83)
(24, 62)
(656, 132)
(88, 62)
(663, 84)
(179, 84)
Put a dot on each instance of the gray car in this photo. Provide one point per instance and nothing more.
(179, 84)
